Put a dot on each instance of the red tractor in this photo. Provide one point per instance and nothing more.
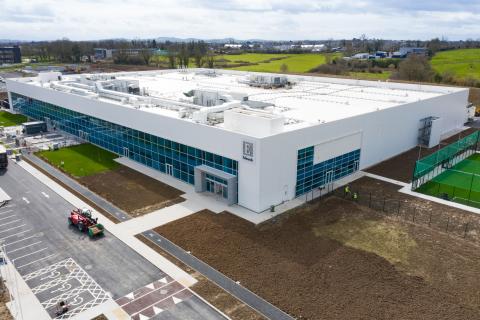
(83, 220)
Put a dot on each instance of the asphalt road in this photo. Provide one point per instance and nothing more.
(58, 262)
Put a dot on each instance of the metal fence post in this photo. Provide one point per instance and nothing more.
(414, 213)
(370, 201)
(448, 222)
(466, 230)
(430, 219)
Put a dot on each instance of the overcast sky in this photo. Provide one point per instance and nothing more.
(240, 19)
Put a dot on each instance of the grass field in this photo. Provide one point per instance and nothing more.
(297, 63)
(463, 63)
(81, 160)
(461, 183)
(8, 119)
(371, 76)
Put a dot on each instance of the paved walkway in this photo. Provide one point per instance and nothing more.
(232, 287)
(375, 176)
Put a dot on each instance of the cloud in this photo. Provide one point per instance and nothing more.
(241, 19)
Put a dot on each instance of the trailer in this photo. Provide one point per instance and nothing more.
(34, 127)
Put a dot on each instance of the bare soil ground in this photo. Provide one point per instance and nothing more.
(401, 166)
(219, 298)
(131, 191)
(335, 259)
(4, 298)
(474, 96)
(386, 198)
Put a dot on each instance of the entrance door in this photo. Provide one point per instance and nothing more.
(169, 169)
(126, 152)
(329, 180)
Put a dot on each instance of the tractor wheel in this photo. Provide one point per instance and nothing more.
(80, 226)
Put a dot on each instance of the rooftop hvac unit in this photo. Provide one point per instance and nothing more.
(268, 81)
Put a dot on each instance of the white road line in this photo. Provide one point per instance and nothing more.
(29, 254)
(14, 228)
(29, 245)
(45, 195)
(49, 256)
(146, 293)
(135, 313)
(26, 200)
(1, 225)
(5, 212)
(8, 217)
(13, 242)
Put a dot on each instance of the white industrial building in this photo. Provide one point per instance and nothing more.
(256, 140)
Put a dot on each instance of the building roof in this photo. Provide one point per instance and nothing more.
(202, 95)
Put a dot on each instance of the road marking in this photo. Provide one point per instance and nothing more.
(54, 254)
(26, 200)
(29, 254)
(146, 293)
(175, 300)
(16, 234)
(29, 245)
(8, 217)
(5, 212)
(45, 195)
(1, 225)
(22, 225)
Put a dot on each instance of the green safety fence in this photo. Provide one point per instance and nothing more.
(429, 163)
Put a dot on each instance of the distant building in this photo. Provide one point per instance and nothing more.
(9, 55)
(406, 51)
(232, 45)
(102, 54)
(313, 47)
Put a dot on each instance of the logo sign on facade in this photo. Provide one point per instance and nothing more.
(248, 151)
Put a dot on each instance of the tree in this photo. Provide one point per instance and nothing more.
(284, 68)
(146, 54)
(415, 68)
(172, 59)
(210, 60)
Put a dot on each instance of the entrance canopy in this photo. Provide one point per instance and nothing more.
(201, 173)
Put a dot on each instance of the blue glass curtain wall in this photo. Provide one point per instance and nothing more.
(310, 176)
(139, 146)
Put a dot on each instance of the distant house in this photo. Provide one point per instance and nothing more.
(10, 55)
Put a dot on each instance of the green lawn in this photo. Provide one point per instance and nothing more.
(8, 119)
(298, 63)
(461, 184)
(81, 160)
(462, 63)
(371, 76)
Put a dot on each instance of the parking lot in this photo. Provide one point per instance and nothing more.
(60, 263)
